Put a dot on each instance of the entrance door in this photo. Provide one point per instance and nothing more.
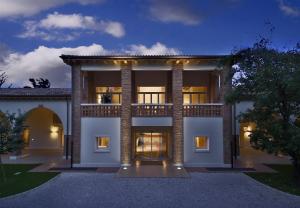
(151, 145)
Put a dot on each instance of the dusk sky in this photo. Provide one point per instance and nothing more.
(35, 32)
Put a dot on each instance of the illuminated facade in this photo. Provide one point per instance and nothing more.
(134, 108)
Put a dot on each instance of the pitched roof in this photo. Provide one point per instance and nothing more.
(35, 92)
(126, 56)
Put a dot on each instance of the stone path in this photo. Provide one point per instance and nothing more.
(106, 190)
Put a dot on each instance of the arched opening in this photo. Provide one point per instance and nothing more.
(251, 157)
(43, 134)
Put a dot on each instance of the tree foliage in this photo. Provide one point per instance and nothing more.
(271, 79)
(11, 129)
(39, 83)
(3, 79)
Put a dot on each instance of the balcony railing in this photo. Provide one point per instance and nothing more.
(152, 110)
(203, 110)
(100, 110)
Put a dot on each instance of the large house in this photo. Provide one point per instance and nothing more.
(126, 109)
(132, 108)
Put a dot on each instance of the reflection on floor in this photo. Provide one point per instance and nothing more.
(152, 171)
(252, 158)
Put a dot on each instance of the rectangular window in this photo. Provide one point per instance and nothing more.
(201, 143)
(194, 95)
(102, 143)
(151, 95)
(108, 95)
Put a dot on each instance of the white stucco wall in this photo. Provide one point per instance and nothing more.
(213, 129)
(241, 108)
(92, 127)
(57, 106)
(152, 121)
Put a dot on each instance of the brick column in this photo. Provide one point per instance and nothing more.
(177, 114)
(76, 117)
(126, 115)
(227, 117)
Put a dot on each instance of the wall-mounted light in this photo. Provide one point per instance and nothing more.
(54, 132)
(125, 61)
(178, 61)
(54, 129)
(247, 131)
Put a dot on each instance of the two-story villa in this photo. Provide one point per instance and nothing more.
(133, 108)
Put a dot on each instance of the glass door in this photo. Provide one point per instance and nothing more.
(151, 145)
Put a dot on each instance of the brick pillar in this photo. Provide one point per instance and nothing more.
(177, 114)
(76, 117)
(126, 115)
(227, 117)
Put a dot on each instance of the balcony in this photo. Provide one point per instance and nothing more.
(203, 110)
(152, 110)
(100, 110)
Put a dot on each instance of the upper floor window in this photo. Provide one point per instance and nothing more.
(151, 95)
(109, 95)
(194, 95)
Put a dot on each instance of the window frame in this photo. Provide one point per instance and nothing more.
(151, 93)
(201, 150)
(107, 149)
(119, 94)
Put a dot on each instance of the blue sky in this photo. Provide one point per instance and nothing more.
(34, 29)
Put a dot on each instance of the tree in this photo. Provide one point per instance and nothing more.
(3, 79)
(39, 83)
(5, 128)
(15, 142)
(11, 129)
(271, 79)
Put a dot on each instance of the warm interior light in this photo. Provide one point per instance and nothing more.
(178, 61)
(125, 62)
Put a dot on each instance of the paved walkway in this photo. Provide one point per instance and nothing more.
(105, 190)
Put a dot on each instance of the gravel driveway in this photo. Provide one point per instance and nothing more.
(218, 190)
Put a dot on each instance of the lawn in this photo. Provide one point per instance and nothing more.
(283, 180)
(20, 180)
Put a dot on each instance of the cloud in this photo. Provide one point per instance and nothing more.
(169, 11)
(289, 10)
(45, 62)
(156, 49)
(52, 27)
(15, 8)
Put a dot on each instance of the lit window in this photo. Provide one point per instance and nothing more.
(107, 95)
(194, 95)
(202, 143)
(151, 95)
(102, 143)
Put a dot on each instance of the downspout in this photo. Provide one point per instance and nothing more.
(67, 138)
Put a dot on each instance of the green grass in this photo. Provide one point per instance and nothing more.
(17, 183)
(283, 180)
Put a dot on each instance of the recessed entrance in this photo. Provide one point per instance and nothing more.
(151, 145)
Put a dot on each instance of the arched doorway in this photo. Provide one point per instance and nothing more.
(43, 135)
(43, 129)
(251, 157)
